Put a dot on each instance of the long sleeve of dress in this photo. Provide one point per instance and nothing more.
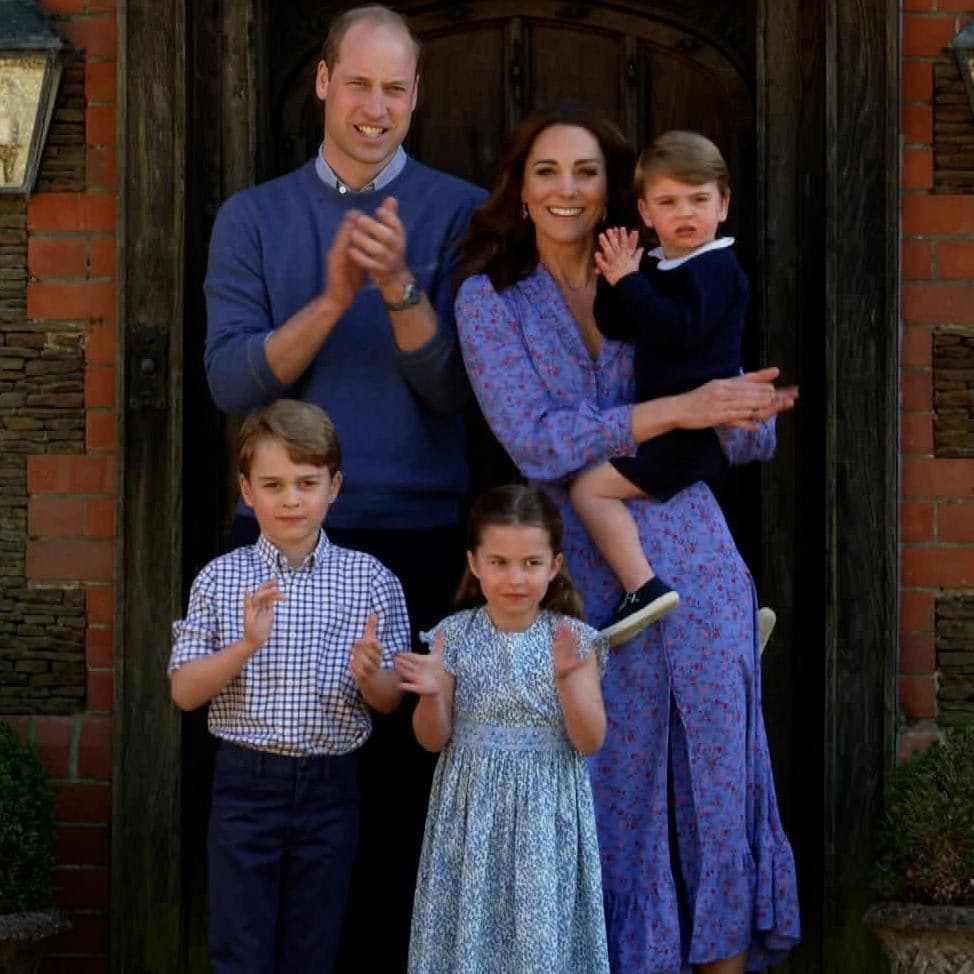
(541, 402)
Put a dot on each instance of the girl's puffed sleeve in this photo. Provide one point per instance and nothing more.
(453, 628)
(548, 437)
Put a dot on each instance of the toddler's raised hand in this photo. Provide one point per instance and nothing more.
(422, 674)
(365, 656)
(258, 612)
(564, 651)
(620, 254)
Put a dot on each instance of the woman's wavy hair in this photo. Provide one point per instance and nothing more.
(500, 242)
(523, 505)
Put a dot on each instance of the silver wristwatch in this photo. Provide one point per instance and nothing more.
(411, 295)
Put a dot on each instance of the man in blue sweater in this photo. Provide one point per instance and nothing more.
(333, 284)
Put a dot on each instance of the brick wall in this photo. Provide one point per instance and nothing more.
(937, 494)
(58, 514)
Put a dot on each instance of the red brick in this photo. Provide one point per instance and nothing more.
(917, 168)
(917, 263)
(955, 522)
(924, 477)
(917, 80)
(52, 516)
(100, 605)
(63, 6)
(101, 170)
(918, 4)
(98, 211)
(917, 654)
(100, 690)
(81, 301)
(21, 726)
(52, 742)
(917, 391)
(962, 6)
(101, 81)
(95, 748)
(937, 566)
(923, 213)
(101, 257)
(915, 739)
(100, 517)
(916, 522)
(916, 434)
(101, 6)
(100, 387)
(99, 647)
(90, 932)
(70, 560)
(917, 696)
(84, 802)
(83, 845)
(96, 36)
(100, 345)
(70, 473)
(917, 124)
(955, 259)
(916, 612)
(74, 964)
(917, 349)
(101, 125)
(927, 36)
(54, 211)
(81, 888)
(56, 256)
(943, 304)
(99, 430)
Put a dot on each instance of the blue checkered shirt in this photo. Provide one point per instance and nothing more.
(295, 694)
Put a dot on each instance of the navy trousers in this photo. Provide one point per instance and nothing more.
(282, 840)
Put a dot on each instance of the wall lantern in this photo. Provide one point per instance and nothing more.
(963, 48)
(30, 70)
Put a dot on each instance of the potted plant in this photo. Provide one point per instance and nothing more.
(26, 857)
(925, 865)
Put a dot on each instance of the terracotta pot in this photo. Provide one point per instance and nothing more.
(24, 939)
(921, 939)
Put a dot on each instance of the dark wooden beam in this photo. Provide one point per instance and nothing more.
(146, 820)
(861, 422)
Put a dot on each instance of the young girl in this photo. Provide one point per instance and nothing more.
(684, 308)
(509, 876)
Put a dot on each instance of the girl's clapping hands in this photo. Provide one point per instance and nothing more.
(422, 674)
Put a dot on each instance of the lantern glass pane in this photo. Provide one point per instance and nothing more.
(21, 83)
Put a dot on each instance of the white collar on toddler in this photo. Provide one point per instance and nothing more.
(668, 263)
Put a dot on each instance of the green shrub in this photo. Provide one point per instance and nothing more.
(926, 836)
(26, 827)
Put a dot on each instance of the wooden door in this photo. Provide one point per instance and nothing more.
(807, 144)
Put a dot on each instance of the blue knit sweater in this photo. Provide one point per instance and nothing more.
(398, 414)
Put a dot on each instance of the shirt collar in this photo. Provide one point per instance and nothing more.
(671, 263)
(274, 558)
(382, 179)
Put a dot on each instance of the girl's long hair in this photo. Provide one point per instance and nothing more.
(519, 504)
(500, 241)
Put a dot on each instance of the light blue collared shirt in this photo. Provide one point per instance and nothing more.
(389, 172)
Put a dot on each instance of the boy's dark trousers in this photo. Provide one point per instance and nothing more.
(282, 839)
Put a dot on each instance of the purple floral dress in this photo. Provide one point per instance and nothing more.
(684, 695)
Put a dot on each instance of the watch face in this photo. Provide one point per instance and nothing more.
(410, 293)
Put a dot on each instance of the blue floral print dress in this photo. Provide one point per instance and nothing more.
(509, 879)
(685, 748)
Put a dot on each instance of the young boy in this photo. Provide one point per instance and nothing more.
(684, 309)
(290, 640)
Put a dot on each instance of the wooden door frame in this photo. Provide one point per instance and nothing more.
(838, 66)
